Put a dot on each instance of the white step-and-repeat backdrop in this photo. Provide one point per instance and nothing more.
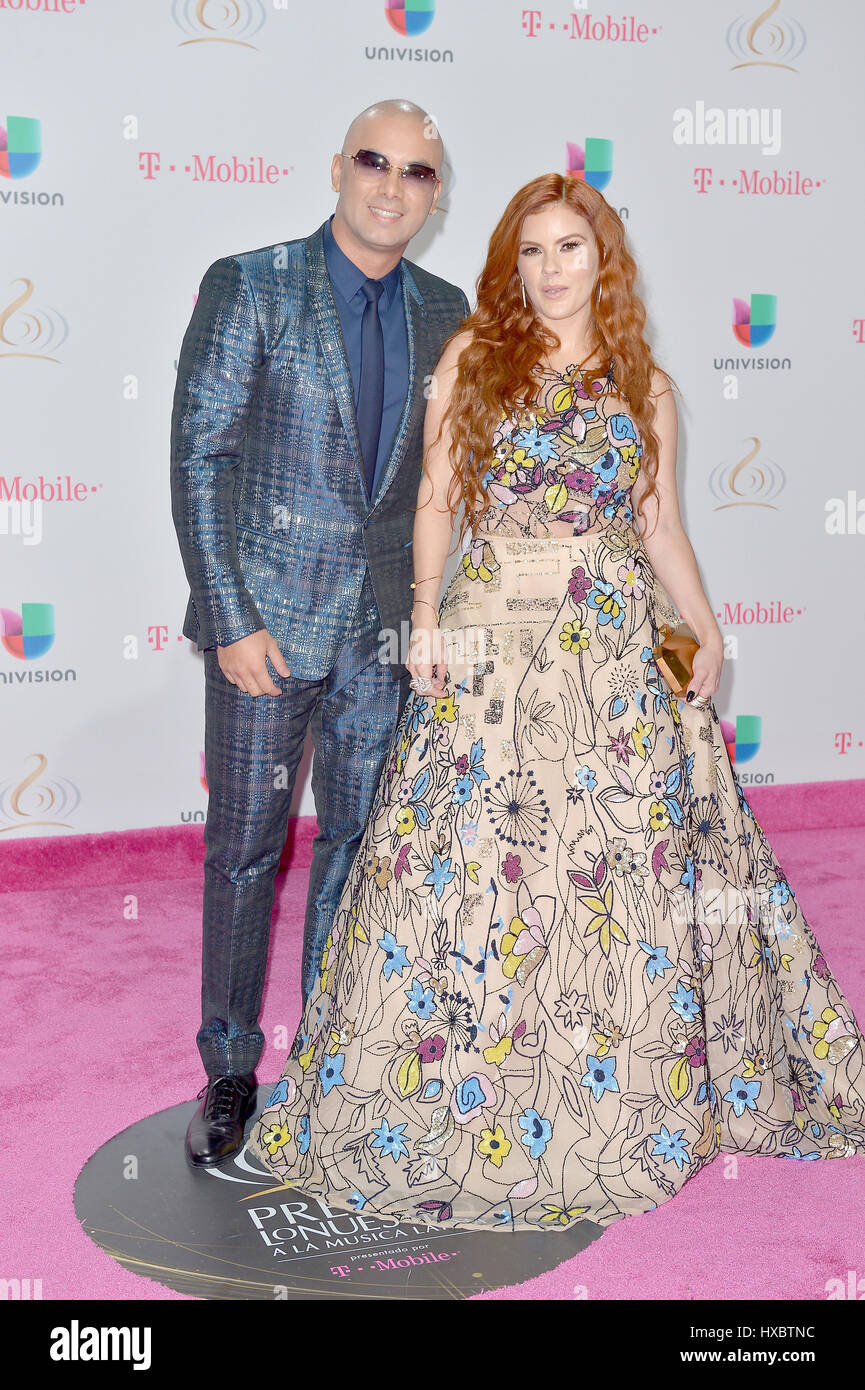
(142, 139)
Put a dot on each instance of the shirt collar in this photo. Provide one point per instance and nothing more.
(347, 278)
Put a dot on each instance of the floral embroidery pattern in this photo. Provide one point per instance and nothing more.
(564, 469)
(567, 968)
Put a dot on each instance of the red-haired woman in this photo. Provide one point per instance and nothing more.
(567, 968)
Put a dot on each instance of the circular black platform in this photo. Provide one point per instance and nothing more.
(229, 1233)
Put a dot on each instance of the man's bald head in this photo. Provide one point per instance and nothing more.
(406, 113)
(379, 209)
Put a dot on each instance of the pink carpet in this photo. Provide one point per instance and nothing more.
(101, 1015)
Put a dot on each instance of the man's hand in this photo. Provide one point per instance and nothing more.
(243, 663)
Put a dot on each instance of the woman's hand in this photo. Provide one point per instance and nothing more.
(708, 660)
(426, 657)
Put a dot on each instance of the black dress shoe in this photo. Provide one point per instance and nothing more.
(216, 1128)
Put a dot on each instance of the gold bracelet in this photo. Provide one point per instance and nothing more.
(428, 604)
(415, 582)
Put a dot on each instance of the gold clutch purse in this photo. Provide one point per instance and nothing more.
(674, 656)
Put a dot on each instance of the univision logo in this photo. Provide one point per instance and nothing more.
(754, 322)
(592, 162)
(410, 17)
(20, 146)
(30, 633)
(26, 636)
(20, 156)
(742, 741)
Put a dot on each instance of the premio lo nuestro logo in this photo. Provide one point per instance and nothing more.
(742, 740)
(592, 162)
(754, 322)
(219, 21)
(30, 633)
(752, 481)
(20, 146)
(29, 329)
(25, 805)
(410, 17)
(766, 40)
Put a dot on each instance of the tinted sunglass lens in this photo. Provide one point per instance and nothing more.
(375, 162)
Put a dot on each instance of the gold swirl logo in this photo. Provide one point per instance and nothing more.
(27, 803)
(766, 42)
(752, 482)
(219, 21)
(30, 332)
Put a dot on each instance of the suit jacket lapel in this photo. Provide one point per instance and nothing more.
(415, 401)
(332, 345)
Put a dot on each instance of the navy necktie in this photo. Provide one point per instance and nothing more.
(371, 391)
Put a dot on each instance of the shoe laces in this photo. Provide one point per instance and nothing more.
(222, 1096)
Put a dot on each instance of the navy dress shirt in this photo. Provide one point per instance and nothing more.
(346, 280)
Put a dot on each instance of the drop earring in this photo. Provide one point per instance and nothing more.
(599, 293)
(523, 287)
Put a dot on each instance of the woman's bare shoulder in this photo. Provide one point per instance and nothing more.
(454, 350)
(660, 384)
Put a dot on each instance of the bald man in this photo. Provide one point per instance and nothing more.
(296, 442)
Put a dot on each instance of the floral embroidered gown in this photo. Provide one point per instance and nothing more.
(567, 968)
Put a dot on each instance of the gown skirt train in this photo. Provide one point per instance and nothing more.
(567, 968)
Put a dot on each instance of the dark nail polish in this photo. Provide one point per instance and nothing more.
(689, 696)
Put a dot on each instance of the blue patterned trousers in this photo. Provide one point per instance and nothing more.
(253, 745)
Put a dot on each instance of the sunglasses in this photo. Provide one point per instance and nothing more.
(379, 166)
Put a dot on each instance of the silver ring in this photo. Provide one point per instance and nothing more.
(699, 702)
(421, 683)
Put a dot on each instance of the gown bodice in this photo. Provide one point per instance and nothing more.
(565, 466)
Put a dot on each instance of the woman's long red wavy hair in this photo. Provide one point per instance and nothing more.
(494, 370)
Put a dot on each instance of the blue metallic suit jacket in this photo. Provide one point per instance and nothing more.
(267, 488)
